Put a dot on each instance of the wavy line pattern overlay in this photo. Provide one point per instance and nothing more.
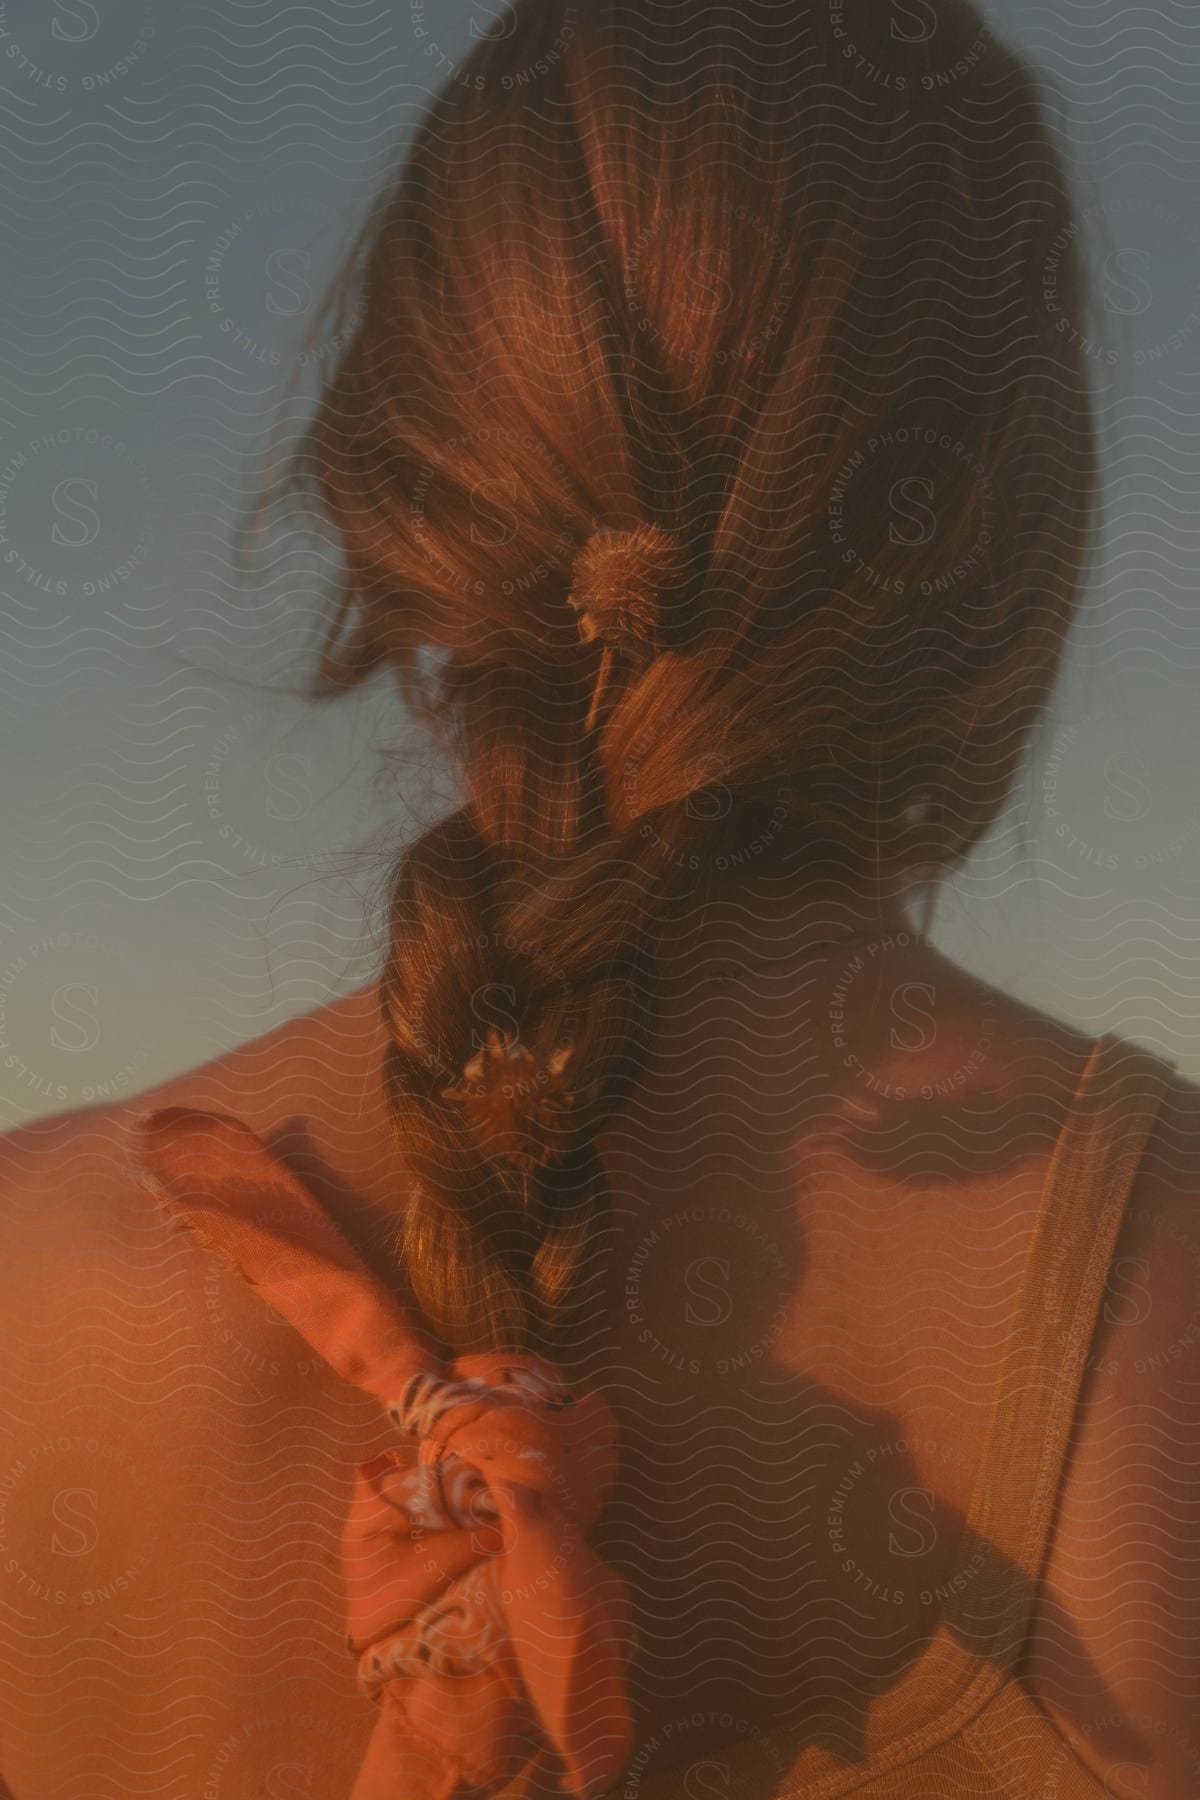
(841, 1181)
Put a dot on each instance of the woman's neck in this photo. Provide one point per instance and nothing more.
(774, 922)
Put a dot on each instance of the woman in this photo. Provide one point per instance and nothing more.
(715, 471)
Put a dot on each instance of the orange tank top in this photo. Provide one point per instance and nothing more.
(470, 1701)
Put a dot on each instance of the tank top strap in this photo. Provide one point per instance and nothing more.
(1083, 1203)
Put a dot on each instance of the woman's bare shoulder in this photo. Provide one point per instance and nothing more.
(317, 1073)
(1124, 1565)
(150, 1400)
(1113, 1652)
(907, 1023)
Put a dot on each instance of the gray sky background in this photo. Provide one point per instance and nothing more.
(185, 861)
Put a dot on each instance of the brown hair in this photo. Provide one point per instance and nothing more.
(765, 280)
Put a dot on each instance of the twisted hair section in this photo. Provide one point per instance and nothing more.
(705, 418)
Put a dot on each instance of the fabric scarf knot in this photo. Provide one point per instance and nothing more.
(488, 1632)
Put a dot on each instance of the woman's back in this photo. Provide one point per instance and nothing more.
(711, 454)
(825, 1191)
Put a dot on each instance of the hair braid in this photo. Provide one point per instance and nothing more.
(642, 360)
(507, 1188)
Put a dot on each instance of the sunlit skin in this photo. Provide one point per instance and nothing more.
(705, 461)
(845, 1339)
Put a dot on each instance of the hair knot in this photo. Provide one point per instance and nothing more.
(519, 1109)
(616, 582)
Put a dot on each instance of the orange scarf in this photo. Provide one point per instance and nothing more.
(494, 1641)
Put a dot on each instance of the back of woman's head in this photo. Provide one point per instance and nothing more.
(706, 410)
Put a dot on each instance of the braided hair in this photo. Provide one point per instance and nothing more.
(704, 413)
